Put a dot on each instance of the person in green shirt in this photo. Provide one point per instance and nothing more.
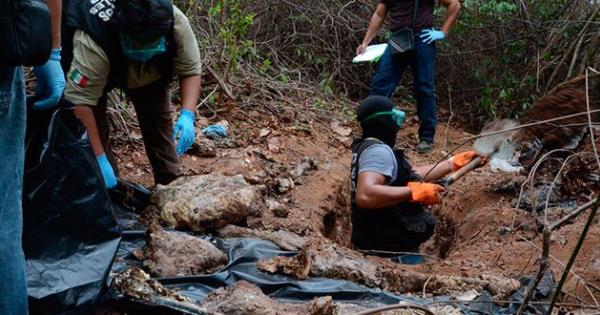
(137, 46)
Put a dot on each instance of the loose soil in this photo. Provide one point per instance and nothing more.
(479, 231)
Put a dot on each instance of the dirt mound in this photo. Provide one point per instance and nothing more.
(170, 254)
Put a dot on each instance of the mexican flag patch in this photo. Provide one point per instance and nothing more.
(78, 78)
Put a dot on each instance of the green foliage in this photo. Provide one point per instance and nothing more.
(234, 24)
(496, 53)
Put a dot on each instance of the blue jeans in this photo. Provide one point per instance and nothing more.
(422, 62)
(13, 288)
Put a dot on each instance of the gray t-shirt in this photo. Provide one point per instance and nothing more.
(379, 158)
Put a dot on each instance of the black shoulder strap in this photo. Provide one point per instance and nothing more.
(414, 26)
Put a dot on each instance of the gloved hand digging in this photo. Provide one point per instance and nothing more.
(184, 128)
(110, 180)
(50, 82)
(429, 36)
(426, 193)
(462, 159)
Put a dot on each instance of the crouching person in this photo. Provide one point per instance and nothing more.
(388, 194)
(137, 46)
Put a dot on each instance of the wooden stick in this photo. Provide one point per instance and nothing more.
(570, 216)
(571, 261)
(222, 83)
(544, 265)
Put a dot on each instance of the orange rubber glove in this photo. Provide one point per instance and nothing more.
(425, 193)
(462, 159)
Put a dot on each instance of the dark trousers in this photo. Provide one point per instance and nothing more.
(152, 105)
(422, 62)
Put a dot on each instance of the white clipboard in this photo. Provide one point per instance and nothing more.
(372, 54)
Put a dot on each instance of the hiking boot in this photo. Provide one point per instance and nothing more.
(424, 147)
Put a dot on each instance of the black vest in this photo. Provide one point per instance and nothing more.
(95, 18)
(402, 227)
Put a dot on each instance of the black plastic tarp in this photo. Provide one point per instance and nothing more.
(70, 235)
(243, 254)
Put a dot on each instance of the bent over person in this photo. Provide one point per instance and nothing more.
(138, 46)
(418, 17)
(388, 194)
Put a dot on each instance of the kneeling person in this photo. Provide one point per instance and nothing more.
(388, 194)
(138, 46)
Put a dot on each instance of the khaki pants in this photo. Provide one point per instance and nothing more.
(152, 105)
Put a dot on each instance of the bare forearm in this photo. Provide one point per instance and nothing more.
(376, 23)
(434, 172)
(55, 7)
(190, 91)
(86, 115)
(453, 7)
(382, 196)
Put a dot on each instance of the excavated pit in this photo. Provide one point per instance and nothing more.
(478, 231)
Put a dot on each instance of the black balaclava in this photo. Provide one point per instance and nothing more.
(382, 127)
(146, 18)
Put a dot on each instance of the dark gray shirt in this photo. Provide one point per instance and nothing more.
(380, 159)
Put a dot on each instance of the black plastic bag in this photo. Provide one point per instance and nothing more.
(70, 236)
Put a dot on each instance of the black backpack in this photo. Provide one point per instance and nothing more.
(25, 33)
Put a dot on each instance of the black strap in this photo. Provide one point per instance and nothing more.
(414, 26)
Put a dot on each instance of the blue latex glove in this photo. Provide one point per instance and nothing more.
(184, 128)
(215, 131)
(50, 82)
(110, 180)
(429, 36)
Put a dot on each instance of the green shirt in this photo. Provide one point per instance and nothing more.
(88, 74)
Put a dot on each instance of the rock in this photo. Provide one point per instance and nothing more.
(205, 202)
(284, 239)
(170, 254)
(278, 209)
(255, 177)
(283, 185)
(307, 164)
(245, 298)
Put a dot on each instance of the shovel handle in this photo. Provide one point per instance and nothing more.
(475, 163)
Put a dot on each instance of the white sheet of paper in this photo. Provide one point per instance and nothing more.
(372, 53)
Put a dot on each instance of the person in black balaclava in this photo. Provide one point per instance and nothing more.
(388, 194)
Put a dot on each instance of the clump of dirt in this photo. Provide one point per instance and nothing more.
(325, 259)
(246, 298)
(170, 254)
(206, 202)
(135, 283)
(284, 239)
